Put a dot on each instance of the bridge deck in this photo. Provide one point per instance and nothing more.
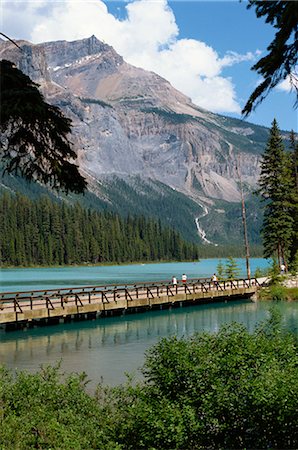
(16, 307)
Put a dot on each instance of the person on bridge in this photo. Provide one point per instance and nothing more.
(214, 280)
(174, 280)
(184, 278)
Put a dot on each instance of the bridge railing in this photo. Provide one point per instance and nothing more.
(81, 295)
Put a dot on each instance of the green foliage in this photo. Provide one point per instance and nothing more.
(292, 294)
(281, 60)
(155, 200)
(276, 187)
(197, 393)
(294, 198)
(231, 269)
(34, 134)
(220, 270)
(41, 411)
(277, 292)
(274, 273)
(158, 202)
(224, 223)
(200, 392)
(48, 233)
(294, 264)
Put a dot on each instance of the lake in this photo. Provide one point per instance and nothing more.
(58, 277)
(106, 348)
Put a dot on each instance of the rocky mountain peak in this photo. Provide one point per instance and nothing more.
(62, 53)
(29, 58)
(128, 122)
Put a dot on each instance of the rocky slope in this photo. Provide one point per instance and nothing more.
(131, 124)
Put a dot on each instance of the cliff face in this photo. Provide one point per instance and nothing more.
(128, 121)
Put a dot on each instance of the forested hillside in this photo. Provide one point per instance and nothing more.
(154, 200)
(44, 232)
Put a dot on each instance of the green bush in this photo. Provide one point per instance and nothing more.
(294, 265)
(277, 292)
(292, 293)
(230, 390)
(42, 411)
(274, 273)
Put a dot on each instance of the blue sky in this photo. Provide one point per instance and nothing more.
(205, 49)
(231, 26)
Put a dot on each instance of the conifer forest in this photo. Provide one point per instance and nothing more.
(44, 232)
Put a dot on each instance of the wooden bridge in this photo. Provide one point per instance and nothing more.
(55, 305)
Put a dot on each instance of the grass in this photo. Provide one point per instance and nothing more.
(278, 292)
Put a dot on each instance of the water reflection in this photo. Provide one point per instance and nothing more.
(110, 347)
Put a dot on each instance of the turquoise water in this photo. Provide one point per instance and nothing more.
(107, 348)
(46, 278)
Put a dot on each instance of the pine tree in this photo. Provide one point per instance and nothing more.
(231, 270)
(220, 270)
(46, 232)
(275, 187)
(294, 199)
(34, 134)
(281, 60)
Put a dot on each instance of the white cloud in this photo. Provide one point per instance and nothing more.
(148, 37)
(289, 83)
(232, 58)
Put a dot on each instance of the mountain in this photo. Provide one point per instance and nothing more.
(144, 147)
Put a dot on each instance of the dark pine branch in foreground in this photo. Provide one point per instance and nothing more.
(34, 134)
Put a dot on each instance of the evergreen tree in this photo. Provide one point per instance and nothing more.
(34, 134)
(231, 270)
(281, 60)
(220, 270)
(274, 272)
(276, 187)
(294, 264)
(294, 199)
(46, 232)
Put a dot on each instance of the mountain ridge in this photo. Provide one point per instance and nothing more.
(128, 123)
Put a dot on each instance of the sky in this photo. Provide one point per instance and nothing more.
(204, 48)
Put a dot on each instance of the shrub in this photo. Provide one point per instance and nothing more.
(43, 411)
(277, 292)
(274, 273)
(228, 390)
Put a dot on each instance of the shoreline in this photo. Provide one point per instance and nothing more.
(130, 263)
